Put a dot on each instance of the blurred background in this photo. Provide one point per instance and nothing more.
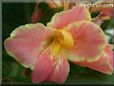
(16, 14)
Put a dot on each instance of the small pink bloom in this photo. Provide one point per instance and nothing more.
(69, 36)
(37, 14)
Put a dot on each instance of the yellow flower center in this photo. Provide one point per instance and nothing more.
(59, 40)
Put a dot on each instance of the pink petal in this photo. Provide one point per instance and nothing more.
(37, 14)
(25, 43)
(43, 67)
(104, 64)
(50, 68)
(60, 20)
(60, 71)
(89, 41)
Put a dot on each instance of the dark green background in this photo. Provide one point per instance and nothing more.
(16, 14)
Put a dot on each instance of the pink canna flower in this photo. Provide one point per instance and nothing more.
(69, 36)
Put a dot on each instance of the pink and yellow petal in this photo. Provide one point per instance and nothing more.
(88, 41)
(61, 69)
(43, 67)
(104, 65)
(49, 67)
(25, 43)
(62, 19)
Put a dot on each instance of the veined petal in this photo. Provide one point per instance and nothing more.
(89, 41)
(49, 67)
(62, 19)
(43, 67)
(25, 43)
(66, 4)
(104, 65)
(61, 69)
(54, 3)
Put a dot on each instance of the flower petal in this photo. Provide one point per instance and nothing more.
(49, 67)
(60, 71)
(66, 4)
(54, 3)
(104, 65)
(60, 20)
(89, 41)
(43, 67)
(25, 42)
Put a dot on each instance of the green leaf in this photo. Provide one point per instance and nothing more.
(94, 14)
(107, 24)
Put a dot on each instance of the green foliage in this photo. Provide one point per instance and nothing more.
(94, 14)
(108, 24)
